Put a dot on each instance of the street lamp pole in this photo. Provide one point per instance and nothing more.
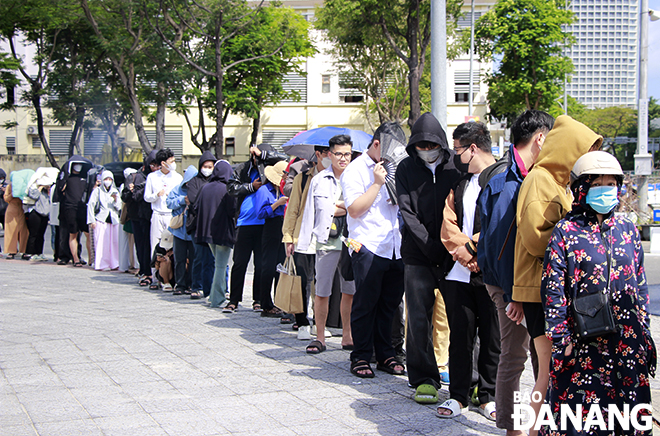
(439, 61)
(470, 90)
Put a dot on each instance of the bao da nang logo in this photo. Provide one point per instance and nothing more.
(594, 416)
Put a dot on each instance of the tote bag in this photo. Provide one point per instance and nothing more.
(288, 295)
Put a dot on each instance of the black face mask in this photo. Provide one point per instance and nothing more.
(460, 166)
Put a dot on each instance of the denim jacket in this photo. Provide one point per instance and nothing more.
(319, 209)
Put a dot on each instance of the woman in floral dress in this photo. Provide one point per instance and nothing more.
(611, 369)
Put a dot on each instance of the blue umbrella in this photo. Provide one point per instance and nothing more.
(303, 144)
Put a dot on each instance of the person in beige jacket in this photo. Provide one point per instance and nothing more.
(545, 199)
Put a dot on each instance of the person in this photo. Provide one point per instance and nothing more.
(159, 184)
(139, 214)
(127, 257)
(184, 250)
(270, 204)
(304, 260)
(377, 267)
(497, 212)
(246, 180)
(103, 210)
(203, 263)
(15, 226)
(423, 181)
(215, 227)
(73, 210)
(593, 250)
(38, 210)
(543, 200)
(470, 310)
(325, 219)
(3, 203)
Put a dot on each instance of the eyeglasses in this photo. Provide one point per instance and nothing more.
(339, 155)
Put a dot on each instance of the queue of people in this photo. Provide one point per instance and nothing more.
(495, 259)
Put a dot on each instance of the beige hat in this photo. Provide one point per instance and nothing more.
(274, 173)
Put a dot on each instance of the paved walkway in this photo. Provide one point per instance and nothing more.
(90, 353)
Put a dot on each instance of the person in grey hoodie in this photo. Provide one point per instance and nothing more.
(103, 210)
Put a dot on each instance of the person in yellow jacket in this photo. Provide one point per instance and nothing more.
(544, 199)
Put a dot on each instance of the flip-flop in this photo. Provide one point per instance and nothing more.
(362, 365)
(426, 394)
(453, 406)
(488, 410)
(315, 347)
(389, 366)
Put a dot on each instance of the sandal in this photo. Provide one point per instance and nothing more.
(177, 291)
(154, 286)
(453, 406)
(256, 307)
(426, 394)
(488, 409)
(197, 295)
(315, 347)
(230, 308)
(362, 365)
(145, 281)
(389, 366)
(12, 256)
(295, 327)
(78, 264)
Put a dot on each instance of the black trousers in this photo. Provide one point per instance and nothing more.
(248, 241)
(378, 293)
(64, 251)
(469, 308)
(141, 231)
(272, 253)
(420, 284)
(37, 225)
(184, 255)
(306, 269)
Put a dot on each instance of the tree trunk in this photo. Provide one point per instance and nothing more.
(77, 127)
(128, 81)
(415, 106)
(36, 102)
(160, 116)
(219, 103)
(256, 121)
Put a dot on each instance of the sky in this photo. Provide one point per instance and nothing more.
(654, 53)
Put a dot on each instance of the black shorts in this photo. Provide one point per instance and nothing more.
(535, 319)
(75, 219)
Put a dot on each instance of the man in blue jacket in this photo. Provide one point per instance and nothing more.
(495, 256)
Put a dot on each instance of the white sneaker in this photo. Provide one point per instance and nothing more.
(327, 332)
(304, 333)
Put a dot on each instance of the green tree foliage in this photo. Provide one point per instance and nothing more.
(527, 39)
(8, 79)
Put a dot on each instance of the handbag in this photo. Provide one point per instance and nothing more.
(288, 294)
(337, 226)
(177, 221)
(592, 313)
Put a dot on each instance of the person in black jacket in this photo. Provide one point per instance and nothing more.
(246, 180)
(203, 265)
(423, 181)
(139, 213)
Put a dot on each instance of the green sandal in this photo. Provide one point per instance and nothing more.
(426, 394)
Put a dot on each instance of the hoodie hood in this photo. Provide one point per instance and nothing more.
(3, 175)
(151, 157)
(222, 171)
(188, 175)
(427, 128)
(104, 175)
(565, 143)
(205, 157)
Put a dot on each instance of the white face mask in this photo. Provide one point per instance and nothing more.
(107, 184)
(171, 166)
(326, 162)
(429, 156)
(206, 172)
(77, 168)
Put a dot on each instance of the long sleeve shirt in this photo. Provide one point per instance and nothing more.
(157, 181)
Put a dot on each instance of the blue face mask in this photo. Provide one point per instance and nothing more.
(602, 199)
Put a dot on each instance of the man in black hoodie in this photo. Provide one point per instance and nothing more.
(139, 214)
(423, 181)
(203, 266)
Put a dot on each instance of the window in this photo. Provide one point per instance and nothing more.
(10, 142)
(36, 142)
(230, 146)
(462, 85)
(325, 83)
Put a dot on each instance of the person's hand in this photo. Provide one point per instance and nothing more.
(290, 247)
(256, 184)
(131, 186)
(161, 192)
(462, 256)
(473, 267)
(568, 350)
(515, 312)
(92, 226)
(114, 196)
(187, 200)
(379, 174)
(280, 201)
(254, 151)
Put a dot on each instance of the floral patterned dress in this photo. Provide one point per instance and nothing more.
(612, 369)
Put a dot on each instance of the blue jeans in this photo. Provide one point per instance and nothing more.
(219, 287)
(203, 269)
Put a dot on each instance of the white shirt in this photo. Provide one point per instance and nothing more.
(378, 228)
(156, 181)
(459, 273)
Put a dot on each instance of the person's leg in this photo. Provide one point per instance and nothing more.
(398, 332)
(543, 349)
(440, 333)
(390, 299)
(419, 284)
(462, 327)
(513, 355)
(43, 226)
(271, 240)
(123, 250)
(241, 258)
(489, 344)
(219, 287)
(326, 266)
(305, 267)
(22, 233)
(33, 223)
(73, 246)
(257, 254)
(114, 230)
(345, 311)
(180, 252)
(208, 269)
(141, 232)
(154, 237)
(190, 258)
(101, 246)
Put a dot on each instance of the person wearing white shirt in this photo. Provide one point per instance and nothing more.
(469, 307)
(377, 266)
(159, 184)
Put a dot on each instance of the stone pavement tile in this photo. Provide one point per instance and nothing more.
(61, 394)
(56, 410)
(141, 431)
(177, 370)
(171, 404)
(109, 406)
(78, 427)
(247, 383)
(29, 379)
(247, 419)
(18, 430)
(129, 371)
(116, 424)
(188, 423)
(150, 390)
